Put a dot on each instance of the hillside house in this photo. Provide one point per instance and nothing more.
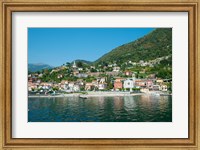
(81, 75)
(128, 73)
(116, 69)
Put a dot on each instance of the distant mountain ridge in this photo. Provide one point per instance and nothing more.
(38, 67)
(83, 61)
(156, 44)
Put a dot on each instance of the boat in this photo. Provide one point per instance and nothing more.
(83, 96)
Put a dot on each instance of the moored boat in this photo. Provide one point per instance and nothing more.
(83, 96)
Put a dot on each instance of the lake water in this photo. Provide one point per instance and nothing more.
(140, 108)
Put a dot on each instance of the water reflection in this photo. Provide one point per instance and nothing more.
(142, 108)
(118, 103)
(129, 102)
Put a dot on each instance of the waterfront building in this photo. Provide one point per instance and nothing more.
(140, 83)
(64, 84)
(156, 87)
(71, 86)
(95, 83)
(128, 84)
(32, 86)
(45, 85)
(89, 86)
(149, 84)
(76, 88)
(101, 83)
(118, 83)
(102, 86)
(164, 88)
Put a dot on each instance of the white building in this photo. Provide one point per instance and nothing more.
(76, 88)
(116, 69)
(71, 86)
(102, 80)
(110, 65)
(40, 75)
(164, 88)
(129, 83)
(156, 87)
(102, 86)
(80, 69)
(82, 75)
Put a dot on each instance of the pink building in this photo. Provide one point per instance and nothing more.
(149, 83)
(128, 73)
(118, 84)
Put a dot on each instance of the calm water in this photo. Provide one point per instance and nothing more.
(141, 108)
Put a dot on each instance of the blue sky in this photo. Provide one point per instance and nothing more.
(56, 46)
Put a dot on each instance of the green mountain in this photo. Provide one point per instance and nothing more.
(156, 44)
(38, 67)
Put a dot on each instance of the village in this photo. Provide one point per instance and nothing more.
(100, 75)
(109, 78)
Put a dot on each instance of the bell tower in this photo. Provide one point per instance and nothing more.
(74, 65)
(133, 78)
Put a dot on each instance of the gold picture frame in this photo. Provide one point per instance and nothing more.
(9, 6)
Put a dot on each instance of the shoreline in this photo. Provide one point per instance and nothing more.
(93, 94)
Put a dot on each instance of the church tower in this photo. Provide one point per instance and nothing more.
(133, 78)
(74, 65)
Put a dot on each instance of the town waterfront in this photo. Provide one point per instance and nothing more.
(138, 108)
(100, 75)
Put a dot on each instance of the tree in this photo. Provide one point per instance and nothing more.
(67, 64)
(79, 64)
(55, 88)
(93, 70)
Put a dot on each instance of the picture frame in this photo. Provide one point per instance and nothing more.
(10, 6)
